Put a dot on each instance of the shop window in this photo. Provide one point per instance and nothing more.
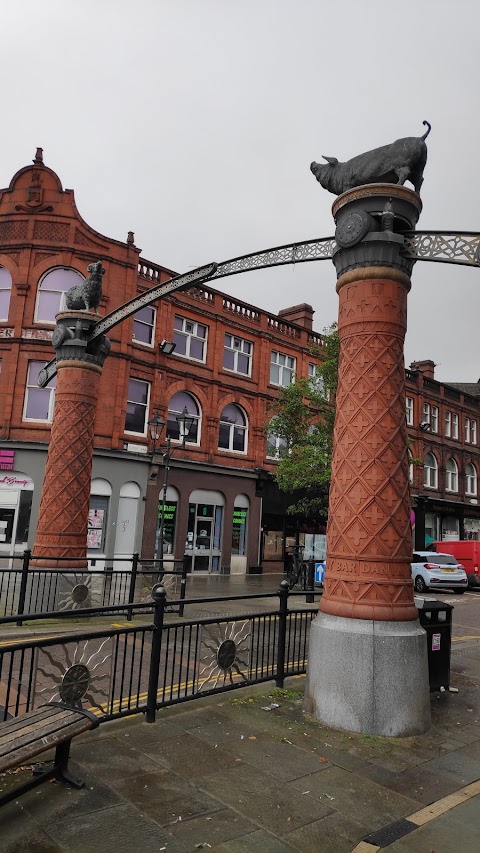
(137, 406)
(409, 410)
(97, 523)
(190, 338)
(5, 290)
(178, 403)
(430, 471)
(470, 480)
(51, 292)
(39, 402)
(282, 369)
(144, 326)
(237, 355)
(239, 531)
(451, 476)
(233, 429)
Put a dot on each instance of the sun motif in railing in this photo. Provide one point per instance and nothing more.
(77, 673)
(73, 591)
(224, 654)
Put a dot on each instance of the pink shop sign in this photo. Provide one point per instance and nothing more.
(13, 482)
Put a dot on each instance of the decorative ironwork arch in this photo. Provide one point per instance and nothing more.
(447, 247)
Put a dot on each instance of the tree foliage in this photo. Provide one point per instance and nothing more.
(303, 418)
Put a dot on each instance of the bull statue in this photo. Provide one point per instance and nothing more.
(403, 160)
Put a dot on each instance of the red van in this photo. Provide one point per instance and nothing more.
(467, 553)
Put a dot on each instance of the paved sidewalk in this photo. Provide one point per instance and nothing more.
(224, 774)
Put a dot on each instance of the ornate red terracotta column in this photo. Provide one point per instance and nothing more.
(63, 517)
(367, 660)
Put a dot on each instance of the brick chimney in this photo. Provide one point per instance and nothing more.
(426, 367)
(301, 314)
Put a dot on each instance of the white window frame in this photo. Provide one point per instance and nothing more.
(147, 406)
(426, 412)
(197, 418)
(151, 326)
(434, 419)
(470, 480)
(454, 425)
(467, 430)
(230, 448)
(62, 304)
(451, 475)
(189, 335)
(236, 350)
(473, 428)
(316, 381)
(409, 410)
(9, 290)
(280, 444)
(448, 424)
(430, 473)
(51, 402)
(287, 369)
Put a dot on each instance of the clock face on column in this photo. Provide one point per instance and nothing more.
(352, 228)
(58, 336)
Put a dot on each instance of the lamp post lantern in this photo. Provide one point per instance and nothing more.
(155, 426)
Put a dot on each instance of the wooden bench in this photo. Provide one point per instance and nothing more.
(24, 737)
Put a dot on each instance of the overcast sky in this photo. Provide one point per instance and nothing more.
(193, 123)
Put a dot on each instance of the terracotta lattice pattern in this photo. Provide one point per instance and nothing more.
(63, 519)
(369, 534)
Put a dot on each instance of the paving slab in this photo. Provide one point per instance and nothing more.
(458, 765)
(259, 797)
(335, 833)
(165, 797)
(256, 842)
(347, 792)
(121, 827)
(214, 829)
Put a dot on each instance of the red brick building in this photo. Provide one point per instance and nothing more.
(229, 362)
(443, 424)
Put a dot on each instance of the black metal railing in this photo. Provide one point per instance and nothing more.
(26, 589)
(119, 671)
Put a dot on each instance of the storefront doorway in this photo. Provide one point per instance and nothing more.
(204, 531)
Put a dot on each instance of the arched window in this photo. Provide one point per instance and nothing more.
(233, 429)
(451, 476)
(430, 471)
(471, 479)
(5, 290)
(51, 292)
(177, 404)
(275, 445)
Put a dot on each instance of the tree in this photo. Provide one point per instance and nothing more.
(303, 418)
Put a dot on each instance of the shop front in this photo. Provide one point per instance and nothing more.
(439, 520)
(16, 493)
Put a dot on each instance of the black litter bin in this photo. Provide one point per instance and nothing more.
(436, 618)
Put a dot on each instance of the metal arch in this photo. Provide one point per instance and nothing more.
(448, 247)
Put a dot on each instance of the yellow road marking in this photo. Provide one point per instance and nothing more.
(466, 637)
(365, 847)
(446, 804)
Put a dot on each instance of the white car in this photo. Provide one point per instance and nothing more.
(434, 571)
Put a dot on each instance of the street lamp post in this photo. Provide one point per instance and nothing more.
(156, 425)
